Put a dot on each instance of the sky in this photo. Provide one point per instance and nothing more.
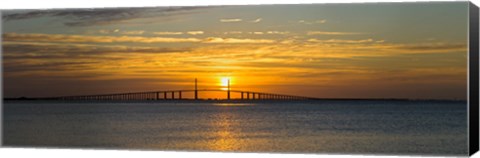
(376, 50)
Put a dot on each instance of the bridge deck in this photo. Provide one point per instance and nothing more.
(177, 94)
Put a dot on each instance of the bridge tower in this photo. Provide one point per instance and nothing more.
(228, 90)
(196, 90)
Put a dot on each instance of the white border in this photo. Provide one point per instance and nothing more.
(83, 153)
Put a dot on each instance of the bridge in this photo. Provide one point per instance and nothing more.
(177, 95)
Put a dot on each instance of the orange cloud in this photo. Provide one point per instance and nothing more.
(333, 33)
(195, 32)
(57, 38)
(236, 40)
(91, 39)
(167, 33)
(132, 32)
(341, 41)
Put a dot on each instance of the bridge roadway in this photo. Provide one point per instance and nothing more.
(177, 95)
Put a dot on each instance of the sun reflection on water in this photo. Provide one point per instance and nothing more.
(224, 135)
(233, 104)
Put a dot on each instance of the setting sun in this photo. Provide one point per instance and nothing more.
(224, 81)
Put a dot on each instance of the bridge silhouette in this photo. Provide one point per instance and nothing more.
(177, 95)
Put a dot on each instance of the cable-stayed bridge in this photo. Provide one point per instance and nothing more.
(179, 95)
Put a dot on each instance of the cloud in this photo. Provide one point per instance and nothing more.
(230, 20)
(39, 49)
(312, 22)
(257, 33)
(240, 20)
(256, 20)
(430, 47)
(53, 66)
(58, 38)
(278, 32)
(132, 32)
(236, 40)
(103, 31)
(69, 59)
(168, 33)
(91, 39)
(195, 32)
(369, 47)
(343, 41)
(89, 17)
(333, 33)
(355, 45)
(116, 31)
(233, 32)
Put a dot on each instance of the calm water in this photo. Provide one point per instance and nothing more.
(385, 127)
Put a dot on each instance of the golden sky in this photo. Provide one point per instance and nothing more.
(407, 50)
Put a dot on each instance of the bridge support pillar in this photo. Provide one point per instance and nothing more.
(179, 94)
(228, 94)
(196, 91)
(173, 95)
(242, 95)
(248, 95)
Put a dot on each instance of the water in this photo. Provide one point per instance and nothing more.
(355, 127)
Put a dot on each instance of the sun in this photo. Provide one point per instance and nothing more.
(224, 81)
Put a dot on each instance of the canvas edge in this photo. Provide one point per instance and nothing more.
(1, 80)
(473, 77)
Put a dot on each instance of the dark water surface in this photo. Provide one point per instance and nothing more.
(382, 127)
